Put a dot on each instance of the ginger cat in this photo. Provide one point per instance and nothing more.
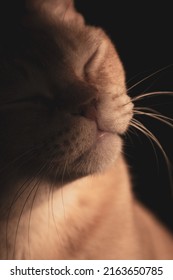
(65, 186)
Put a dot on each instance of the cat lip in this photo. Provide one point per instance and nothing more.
(101, 133)
(90, 113)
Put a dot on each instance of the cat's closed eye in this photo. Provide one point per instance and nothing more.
(37, 100)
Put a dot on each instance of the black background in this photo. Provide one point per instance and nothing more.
(142, 33)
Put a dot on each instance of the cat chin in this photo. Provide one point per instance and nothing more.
(100, 157)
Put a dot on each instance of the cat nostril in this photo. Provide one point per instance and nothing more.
(91, 113)
(88, 110)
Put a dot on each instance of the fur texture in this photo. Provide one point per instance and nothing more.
(65, 188)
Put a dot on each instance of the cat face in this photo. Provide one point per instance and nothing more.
(63, 100)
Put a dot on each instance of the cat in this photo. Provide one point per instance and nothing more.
(66, 190)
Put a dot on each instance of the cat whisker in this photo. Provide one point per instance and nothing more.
(139, 126)
(37, 186)
(51, 199)
(20, 191)
(17, 159)
(32, 203)
(149, 76)
(65, 170)
(20, 216)
(17, 196)
(30, 151)
(51, 206)
(28, 182)
(10, 209)
(149, 94)
(156, 116)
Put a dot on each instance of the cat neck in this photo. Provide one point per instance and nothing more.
(95, 217)
(67, 218)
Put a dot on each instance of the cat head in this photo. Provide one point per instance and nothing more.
(63, 100)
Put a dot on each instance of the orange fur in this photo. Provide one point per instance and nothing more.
(82, 205)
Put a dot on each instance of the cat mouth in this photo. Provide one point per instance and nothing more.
(101, 133)
(90, 114)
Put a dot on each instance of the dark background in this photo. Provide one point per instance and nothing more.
(142, 34)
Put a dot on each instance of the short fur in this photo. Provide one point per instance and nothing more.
(65, 186)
